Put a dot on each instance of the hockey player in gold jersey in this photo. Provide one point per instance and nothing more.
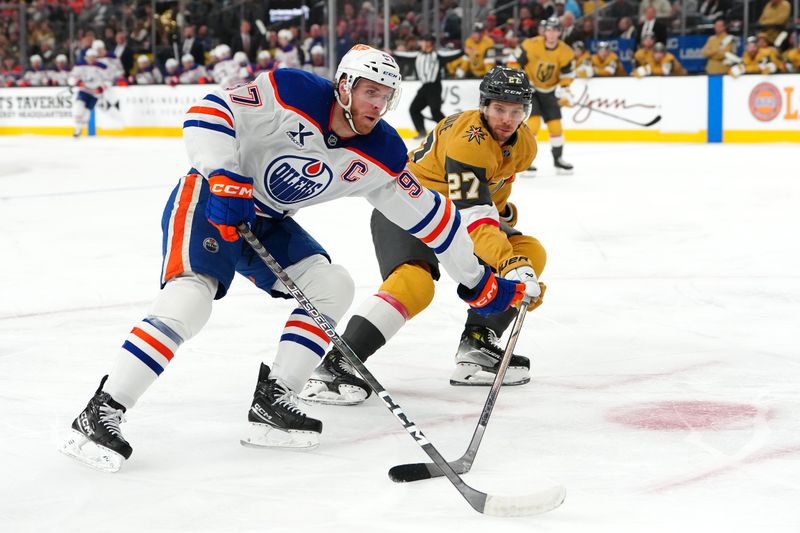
(549, 62)
(583, 60)
(759, 58)
(606, 63)
(661, 63)
(472, 159)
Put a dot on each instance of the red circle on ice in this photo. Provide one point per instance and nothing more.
(677, 416)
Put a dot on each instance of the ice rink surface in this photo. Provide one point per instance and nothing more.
(666, 358)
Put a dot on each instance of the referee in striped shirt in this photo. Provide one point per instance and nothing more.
(428, 64)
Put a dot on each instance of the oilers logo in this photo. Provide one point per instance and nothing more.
(291, 179)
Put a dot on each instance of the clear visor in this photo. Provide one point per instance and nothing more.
(378, 97)
(507, 112)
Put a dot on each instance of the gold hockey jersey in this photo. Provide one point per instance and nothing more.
(668, 66)
(547, 68)
(765, 61)
(791, 60)
(461, 160)
(478, 57)
(612, 66)
(643, 56)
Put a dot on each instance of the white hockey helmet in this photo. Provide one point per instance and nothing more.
(240, 58)
(36, 58)
(91, 52)
(98, 44)
(264, 55)
(187, 59)
(285, 35)
(223, 51)
(143, 60)
(317, 50)
(171, 63)
(61, 58)
(363, 61)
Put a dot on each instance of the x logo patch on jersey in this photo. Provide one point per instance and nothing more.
(298, 137)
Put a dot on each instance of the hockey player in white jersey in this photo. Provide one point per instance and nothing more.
(259, 153)
(60, 74)
(226, 71)
(36, 76)
(147, 73)
(90, 79)
(114, 68)
(190, 72)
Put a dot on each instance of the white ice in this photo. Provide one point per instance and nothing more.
(665, 358)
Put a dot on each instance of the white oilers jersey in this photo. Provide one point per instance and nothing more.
(193, 75)
(58, 77)
(35, 78)
(149, 76)
(89, 77)
(113, 67)
(276, 130)
(288, 57)
(226, 72)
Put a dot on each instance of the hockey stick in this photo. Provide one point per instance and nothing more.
(612, 115)
(418, 471)
(489, 504)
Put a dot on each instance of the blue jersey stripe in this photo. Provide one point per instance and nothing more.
(143, 357)
(437, 201)
(450, 236)
(219, 101)
(209, 126)
(308, 343)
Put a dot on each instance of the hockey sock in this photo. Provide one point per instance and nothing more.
(147, 350)
(376, 321)
(301, 347)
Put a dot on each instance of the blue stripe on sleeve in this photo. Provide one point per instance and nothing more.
(209, 126)
(437, 201)
(311, 345)
(143, 357)
(219, 101)
(450, 236)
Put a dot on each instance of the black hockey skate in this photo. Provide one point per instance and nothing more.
(97, 440)
(562, 167)
(334, 382)
(478, 359)
(275, 420)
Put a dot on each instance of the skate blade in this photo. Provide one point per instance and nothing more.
(264, 436)
(91, 454)
(475, 376)
(317, 392)
(564, 171)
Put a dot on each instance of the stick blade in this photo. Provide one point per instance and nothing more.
(419, 471)
(527, 505)
(653, 122)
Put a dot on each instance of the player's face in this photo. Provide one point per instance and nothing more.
(370, 101)
(504, 118)
(602, 53)
(551, 36)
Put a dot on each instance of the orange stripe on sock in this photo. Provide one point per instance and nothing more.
(175, 263)
(442, 223)
(155, 343)
(308, 327)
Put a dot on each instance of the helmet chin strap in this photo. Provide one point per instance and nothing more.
(346, 108)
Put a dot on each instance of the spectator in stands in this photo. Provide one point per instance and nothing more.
(511, 52)
(123, 52)
(98, 15)
(620, 8)
(586, 31)
(572, 6)
(652, 25)
(606, 63)
(625, 29)
(590, 6)
(663, 8)
(560, 7)
(59, 75)
(478, 55)
(245, 41)
(343, 41)
(543, 9)
(10, 72)
(717, 47)
(192, 45)
(759, 58)
(644, 54)
(481, 11)
(583, 60)
(192, 72)
(662, 63)
(773, 21)
(313, 39)
(569, 32)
